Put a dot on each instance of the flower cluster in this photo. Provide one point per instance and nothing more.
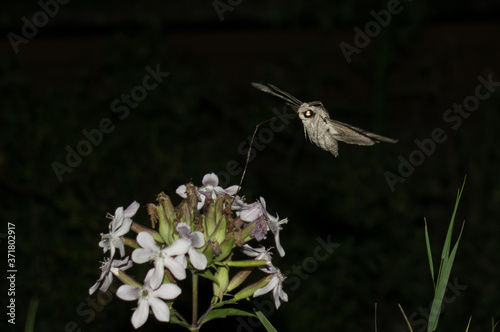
(199, 235)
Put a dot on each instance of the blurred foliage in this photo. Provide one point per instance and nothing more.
(66, 79)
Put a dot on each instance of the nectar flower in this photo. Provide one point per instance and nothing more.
(260, 253)
(162, 258)
(275, 284)
(119, 226)
(257, 213)
(106, 276)
(198, 260)
(210, 189)
(149, 296)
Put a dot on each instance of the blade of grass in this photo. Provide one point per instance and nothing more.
(429, 254)
(442, 285)
(267, 324)
(445, 267)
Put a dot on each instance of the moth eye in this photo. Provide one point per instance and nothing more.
(308, 114)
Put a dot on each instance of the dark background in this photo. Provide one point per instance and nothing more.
(429, 57)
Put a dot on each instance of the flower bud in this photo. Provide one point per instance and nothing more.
(125, 278)
(225, 249)
(166, 216)
(222, 277)
(248, 263)
(239, 278)
(249, 290)
(220, 232)
(209, 222)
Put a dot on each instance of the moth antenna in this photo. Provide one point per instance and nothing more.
(277, 92)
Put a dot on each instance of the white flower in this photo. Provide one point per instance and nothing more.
(149, 296)
(257, 213)
(182, 191)
(119, 226)
(106, 276)
(163, 258)
(210, 189)
(260, 253)
(275, 284)
(198, 260)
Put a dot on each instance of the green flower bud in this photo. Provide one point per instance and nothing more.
(222, 277)
(249, 290)
(166, 216)
(220, 232)
(125, 278)
(225, 249)
(239, 278)
(209, 222)
(248, 263)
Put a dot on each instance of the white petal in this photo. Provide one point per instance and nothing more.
(232, 190)
(156, 277)
(198, 260)
(117, 242)
(251, 214)
(146, 241)
(210, 179)
(278, 244)
(267, 288)
(168, 291)
(131, 210)
(124, 228)
(181, 191)
(179, 247)
(117, 219)
(263, 202)
(141, 255)
(160, 309)
(197, 239)
(184, 230)
(175, 267)
(140, 315)
(128, 293)
(94, 288)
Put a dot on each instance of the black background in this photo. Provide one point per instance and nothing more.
(66, 77)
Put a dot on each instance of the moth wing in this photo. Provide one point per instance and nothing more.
(354, 135)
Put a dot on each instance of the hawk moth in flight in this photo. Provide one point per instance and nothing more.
(319, 128)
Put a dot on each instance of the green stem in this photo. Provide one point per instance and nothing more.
(194, 323)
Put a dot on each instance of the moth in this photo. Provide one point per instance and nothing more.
(319, 128)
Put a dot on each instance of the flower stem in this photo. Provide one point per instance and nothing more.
(194, 322)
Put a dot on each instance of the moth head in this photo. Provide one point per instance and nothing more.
(308, 111)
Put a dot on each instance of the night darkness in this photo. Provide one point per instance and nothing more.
(102, 104)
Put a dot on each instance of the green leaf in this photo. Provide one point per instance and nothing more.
(223, 313)
(429, 254)
(267, 324)
(445, 267)
(30, 319)
(175, 320)
(207, 274)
